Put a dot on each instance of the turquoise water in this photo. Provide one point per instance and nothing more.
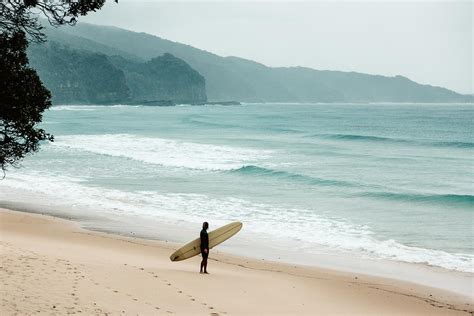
(378, 181)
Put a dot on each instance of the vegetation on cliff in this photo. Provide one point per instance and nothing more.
(77, 76)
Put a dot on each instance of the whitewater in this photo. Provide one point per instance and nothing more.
(375, 181)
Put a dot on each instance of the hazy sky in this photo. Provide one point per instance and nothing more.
(429, 42)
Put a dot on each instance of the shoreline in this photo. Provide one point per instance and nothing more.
(328, 291)
(461, 283)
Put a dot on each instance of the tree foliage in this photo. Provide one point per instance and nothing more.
(23, 97)
(23, 15)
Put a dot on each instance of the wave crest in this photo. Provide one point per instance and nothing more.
(369, 138)
(164, 152)
(252, 170)
(451, 199)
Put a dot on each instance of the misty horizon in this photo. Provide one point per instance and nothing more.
(436, 38)
(277, 66)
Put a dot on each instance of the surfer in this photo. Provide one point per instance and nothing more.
(204, 247)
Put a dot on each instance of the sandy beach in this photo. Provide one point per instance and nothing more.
(52, 266)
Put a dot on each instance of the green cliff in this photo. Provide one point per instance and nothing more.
(79, 76)
(162, 78)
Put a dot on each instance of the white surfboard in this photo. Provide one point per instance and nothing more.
(216, 237)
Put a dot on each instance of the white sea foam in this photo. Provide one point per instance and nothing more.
(165, 152)
(310, 231)
(73, 108)
(89, 107)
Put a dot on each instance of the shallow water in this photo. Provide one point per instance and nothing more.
(374, 181)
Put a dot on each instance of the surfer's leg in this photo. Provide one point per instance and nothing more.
(205, 262)
(204, 255)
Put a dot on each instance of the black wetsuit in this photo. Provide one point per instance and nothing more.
(204, 243)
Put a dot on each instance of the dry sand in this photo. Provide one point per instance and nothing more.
(51, 266)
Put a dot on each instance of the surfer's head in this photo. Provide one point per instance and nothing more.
(205, 225)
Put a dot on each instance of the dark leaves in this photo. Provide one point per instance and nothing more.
(23, 98)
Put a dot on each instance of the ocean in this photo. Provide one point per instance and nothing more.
(376, 181)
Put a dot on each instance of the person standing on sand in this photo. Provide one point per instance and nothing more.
(204, 247)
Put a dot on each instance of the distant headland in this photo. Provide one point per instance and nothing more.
(92, 64)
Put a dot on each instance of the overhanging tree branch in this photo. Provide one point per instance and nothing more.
(23, 98)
